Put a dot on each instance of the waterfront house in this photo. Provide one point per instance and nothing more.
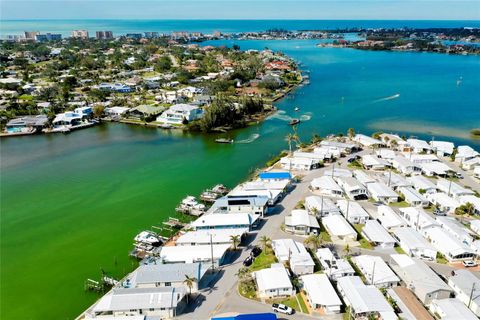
(313, 156)
(343, 148)
(191, 254)
(465, 153)
(320, 293)
(320, 206)
(376, 234)
(422, 184)
(364, 300)
(451, 309)
(414, 244)
(327, 153)
(27, 124)
(180, 113)
(389, 218)
(413, 273)
(394, 141)
(452, 248)
(333, 266)
(327, 186)
(367, 141)
(241, 220)
(376, 271)
(419, 146)
(353, 211)
(371, 162)
(295, 253)
(405, 165)
(251, 204)
(410, 307)
(442, 148)
(145, 111)
(301, 223)
(299, 163)
(275, 176)
(467, 289)
(190, 91)
(116, 112)
(380, 192)
(167, 275)
(413, 197)
(443, 202)
(471, 163)
(210, 236)
(121, 303)
(273, 282)
(85, 112)
(339, 228)
(353, 188)
(453, 189)
(67, 120)
(273, 190)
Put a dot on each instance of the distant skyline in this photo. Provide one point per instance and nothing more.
(242, 9)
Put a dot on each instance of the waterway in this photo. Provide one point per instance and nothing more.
(70, 204)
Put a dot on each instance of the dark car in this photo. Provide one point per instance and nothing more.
(350, 160)
(248, 261)
(255, 252)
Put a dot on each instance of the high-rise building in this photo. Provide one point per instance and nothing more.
(150, 35)
(30, 35)
(100, 35)
(80, 34)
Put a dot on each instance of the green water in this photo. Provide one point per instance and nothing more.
(70, 204)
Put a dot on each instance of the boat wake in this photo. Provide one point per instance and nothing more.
(250, 139)
(395, 96)
(306, 116)
(282, 115)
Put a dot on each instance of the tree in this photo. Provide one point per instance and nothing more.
(189, 282)
(235, 241)
(316, 138)
(98, 110)
(314, 241)
(164, 64)
(346, 250)
(265, 241)
(351, 133)
(243, 273)
(465, 209)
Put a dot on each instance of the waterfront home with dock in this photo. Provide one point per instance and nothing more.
(180, 113)
(250, 204)
(26, 124)
(210, 236)
(242, 221)
(273, 282)
(334, 267)
(320, 293)
(192, 254)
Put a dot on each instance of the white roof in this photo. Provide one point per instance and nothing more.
(454, 188)
(416, 215)
(266, 185)
(375, 270)
(401, 161)
(320, 290)
(338, 172)
(376, 233)
(455, 227)
(438, 168)
(309, 155)
(326, 183)
(466, 151)
(462, 281)
(452, 309)
(443, 146)
(420, 182)
(203, 236)
(190, 254)
(389, 218)
(385, 153)
(366, 140)
(412, 239)
(227, 219)
(285, 248)
(300, 217)
(446, 243)
(363, 177)
(371, 160)
(475, 224)
(336, 266)
(354, 209)
(349, 183)
(418, 144)
(364, 299)
(275, 277)
(336, 225)
(325, 205)
(381, 190)
(422, 158)
(395, 180)
(412, 195)
(298, 161)
(182, 107)
(443, 200)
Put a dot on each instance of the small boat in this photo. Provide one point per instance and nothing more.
(148, 238)
(190, 205)
(294, 122)
(209, 196)
(223, 140)
(296, 108)
(220, 189)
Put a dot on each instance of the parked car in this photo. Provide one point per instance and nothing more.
(248, 261)
(255, 252)
(278, 307)
(470, 263)
(458, 175)
(439, 212)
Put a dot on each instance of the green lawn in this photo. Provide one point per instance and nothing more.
(441, 259)
(363, 242)
(355, 165)
(401, 204)
(264, 260)
(26, 97)
(247, 290)
(400, 250)
(292, 303)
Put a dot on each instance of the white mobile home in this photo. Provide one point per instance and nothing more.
(413, 197)
(210, 236)
(367, 141)
(380, 192)
(339, 228)
(475, 226)
(327, 186)
(414, 244)
(433, 169)
(273, 282)
(442, 148)
(363, 177)
(419, 146)
(395, 181)
(453, 189)
(465, 153)
(353, 211)
(372, 162)
(452, 248)
(456, 229)
(191, 254)
(444, 202)
(467, 289)
(451, 309)
(334, 267)
(299, 163)
(417, 218)
(295, 253)
(250, 204)
(225, 221)
(353, 188)
(321, 206)
(302, 223)
(389, 218)
(376, 271)
(376, 234)
(320, 293)
(422, 184)
(405, 166)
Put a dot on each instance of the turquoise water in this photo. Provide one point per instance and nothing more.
(71, 204)
(120, 27)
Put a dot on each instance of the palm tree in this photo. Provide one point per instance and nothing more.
(346, 250)
(314, 241)
(265, 241)
(235, 241)
(243, 273)
(465, 209)
(189, 282)
(351, 133)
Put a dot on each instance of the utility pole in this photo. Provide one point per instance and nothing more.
(449, 187)
(373, 273)
(389, 177)
(418, 219)
(211, 251)
(321, 208)
(471, 295)
(348, 208)
(333, 170)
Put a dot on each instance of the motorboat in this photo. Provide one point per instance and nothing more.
(220, 189)
(148, 238)
(190, 203)
(224, 140)
(294, 122)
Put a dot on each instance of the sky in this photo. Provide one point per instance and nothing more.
(242, 9)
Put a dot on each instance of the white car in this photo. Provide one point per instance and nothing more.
(278, 307)
(470, 263)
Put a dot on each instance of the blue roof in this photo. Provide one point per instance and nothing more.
(275, 175)
(251, 316)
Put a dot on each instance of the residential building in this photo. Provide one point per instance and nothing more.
(320, 293)
(367, 141)
(467, 289)
(273, 282)
(419, 278)
(301, 222)
(443, 202)
(363, 177)
(417, 218)
(419, 146)
(465, 153)
(353, 188)
(376, 271)
(299, 163)
(321, 206)
(191, 254)
(422, 184)
(180, 114)
(442, 148)
(413, 197)
(339, 228)
(380, 192)
(387, 154)
(405, 165)
(27, 124)
(104, 35)
(242, 221)
(475, 226)
(435, 169)
(210, 236)
(295, 253)
(252, 204)
(371, 162)
(453, 249)
(410, 307)
(364, 300)
(453, 189)
(414, 244)
(395, 180)
(376, 234)
(327, 186)
(30, 35)
(456, 229)
(353, 211)
(451, 309)
(389, 218)
(334, 267)
(275, 176)
(80, 34)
